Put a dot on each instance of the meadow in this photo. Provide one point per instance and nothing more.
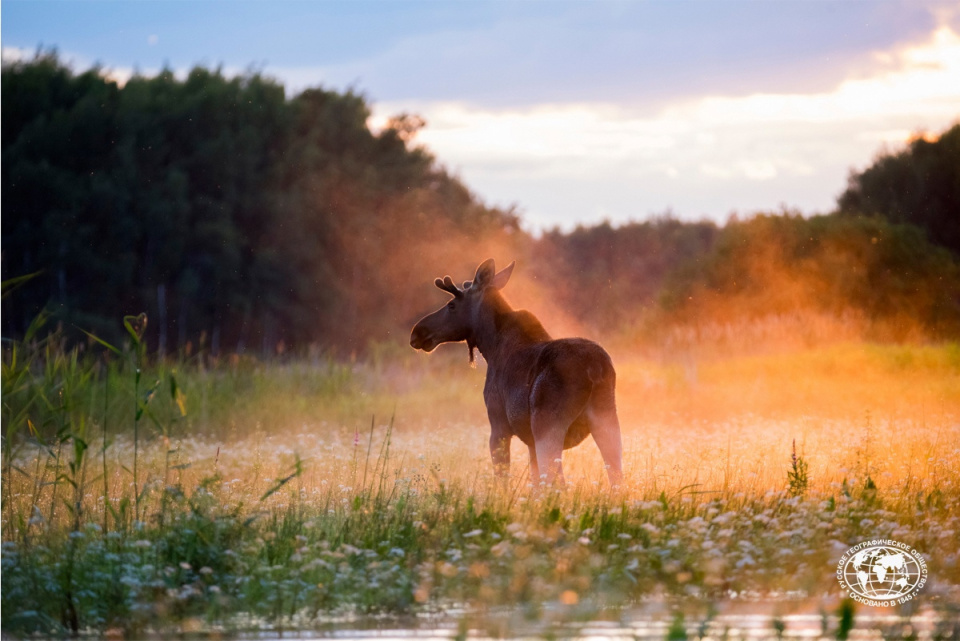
(146, 497)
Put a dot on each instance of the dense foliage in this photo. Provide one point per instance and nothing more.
(773, 265)
(610, 276)
(918, 185)
(217, 205)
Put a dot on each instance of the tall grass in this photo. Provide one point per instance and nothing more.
(238, 495)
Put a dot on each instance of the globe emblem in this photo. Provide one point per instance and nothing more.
(882, 573)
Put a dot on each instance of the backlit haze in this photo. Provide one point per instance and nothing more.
(576, 112)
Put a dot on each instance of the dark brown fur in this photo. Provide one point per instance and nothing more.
(549, 393)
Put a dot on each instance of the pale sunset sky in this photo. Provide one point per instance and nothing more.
(575, 111)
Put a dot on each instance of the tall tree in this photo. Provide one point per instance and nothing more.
(918, 185)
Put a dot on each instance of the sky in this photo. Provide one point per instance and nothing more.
(575, 112)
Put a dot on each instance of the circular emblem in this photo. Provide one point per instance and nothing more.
(882, 572)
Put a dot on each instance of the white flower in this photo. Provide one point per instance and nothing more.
(472, 533)
(746, 560)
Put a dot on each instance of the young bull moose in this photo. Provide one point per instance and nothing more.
(548, 393)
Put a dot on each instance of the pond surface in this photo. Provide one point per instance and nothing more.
(657, 623)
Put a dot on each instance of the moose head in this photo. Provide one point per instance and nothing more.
(457, 320)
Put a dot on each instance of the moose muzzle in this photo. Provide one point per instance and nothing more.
(422, 338)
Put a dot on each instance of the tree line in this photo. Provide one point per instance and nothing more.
(241, 219)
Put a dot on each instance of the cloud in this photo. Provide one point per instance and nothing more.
(708, 155)
(13, 55)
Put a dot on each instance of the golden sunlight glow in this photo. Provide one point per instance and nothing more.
(811, 138)
(926, 83)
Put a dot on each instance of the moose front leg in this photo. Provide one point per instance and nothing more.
(499, 430)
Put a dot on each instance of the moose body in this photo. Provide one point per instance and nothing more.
(548, 393)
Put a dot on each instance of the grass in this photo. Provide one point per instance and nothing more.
(264, 496)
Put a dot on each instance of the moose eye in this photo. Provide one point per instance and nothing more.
(451, 306)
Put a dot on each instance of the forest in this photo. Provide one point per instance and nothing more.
(240, 219)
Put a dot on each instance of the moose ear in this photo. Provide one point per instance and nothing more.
(503, 276)
(485, 273)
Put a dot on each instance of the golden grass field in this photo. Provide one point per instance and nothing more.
(309, 489)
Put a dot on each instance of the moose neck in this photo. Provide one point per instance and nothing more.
(497, 331)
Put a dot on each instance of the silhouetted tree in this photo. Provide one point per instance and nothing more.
(919, 185)
(226, 211)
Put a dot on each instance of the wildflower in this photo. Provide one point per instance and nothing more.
(142, 543)
(184, 565)
(500, 549)
(472, 533)
(583, 540)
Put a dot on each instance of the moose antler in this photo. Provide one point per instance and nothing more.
(447, 285)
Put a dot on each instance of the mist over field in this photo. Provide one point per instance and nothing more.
(214, 422)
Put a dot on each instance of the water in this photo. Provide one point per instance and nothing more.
(648, 624)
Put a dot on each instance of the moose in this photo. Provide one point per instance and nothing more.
(550, 393)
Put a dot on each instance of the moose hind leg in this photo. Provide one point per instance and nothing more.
(550, 425)
(557, 399)
(549, 448)
(605, 427)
